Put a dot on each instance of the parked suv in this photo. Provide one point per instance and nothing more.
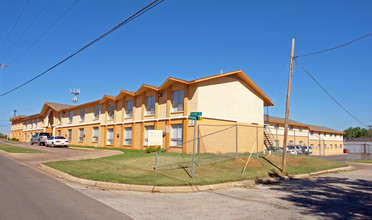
(307, 150)
(291, 150)
(39, 138)
(298, 149)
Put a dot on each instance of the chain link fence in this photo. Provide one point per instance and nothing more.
(215, 143)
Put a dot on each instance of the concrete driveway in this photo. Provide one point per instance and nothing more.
(54, 154)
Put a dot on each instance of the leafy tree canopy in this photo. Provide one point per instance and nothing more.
(356, 132)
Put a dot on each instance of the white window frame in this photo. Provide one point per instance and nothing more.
(96, 111)
(69, 133)
(129, 108)
(70, 116)
(82, 114)
(111, 112)
(290, 143)
(290, 127)
(128, 136)
(95, 134)
(276, 143)
(81, 135)
(178, 100)
(300, 128)
(36, 123)
(176, 135)
(301, 143)
(150, 105)
(147, 129)
(276, 125)
(110, 138)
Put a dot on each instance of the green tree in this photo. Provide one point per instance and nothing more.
(356, 132)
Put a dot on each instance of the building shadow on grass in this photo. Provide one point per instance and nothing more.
(330, 197)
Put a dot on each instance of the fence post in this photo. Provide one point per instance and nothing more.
(198, 145)
(156, 160)
(193, 151)
(257, 140)
(237, 141)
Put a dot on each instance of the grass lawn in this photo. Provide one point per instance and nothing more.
(137, 167)
(13, 149)
(361, 161)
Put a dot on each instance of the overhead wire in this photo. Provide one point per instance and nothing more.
(333, 48)
(132, 17)
(28, 27)
(338, 103)
(45, 32)
(15, 24)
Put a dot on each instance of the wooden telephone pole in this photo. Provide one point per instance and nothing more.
(284, 166)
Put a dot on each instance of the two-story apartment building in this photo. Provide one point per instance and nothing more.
(125, 119)
(322, 139)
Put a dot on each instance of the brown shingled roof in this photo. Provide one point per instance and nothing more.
(58, 106)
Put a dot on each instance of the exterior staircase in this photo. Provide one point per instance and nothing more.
(268, 138)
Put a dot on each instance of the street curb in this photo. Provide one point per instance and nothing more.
(181, 189)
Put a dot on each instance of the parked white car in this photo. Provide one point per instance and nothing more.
(56, 141)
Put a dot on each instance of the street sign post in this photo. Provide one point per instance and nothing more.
(196, 116)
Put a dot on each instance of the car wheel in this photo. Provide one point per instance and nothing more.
(38, 143)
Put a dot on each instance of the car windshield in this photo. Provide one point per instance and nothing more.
(44, 134)
(60, 137)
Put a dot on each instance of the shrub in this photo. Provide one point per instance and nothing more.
(152, 149)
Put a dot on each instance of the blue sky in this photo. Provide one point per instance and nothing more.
(189, 40)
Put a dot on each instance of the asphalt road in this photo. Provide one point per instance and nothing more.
(27, 194)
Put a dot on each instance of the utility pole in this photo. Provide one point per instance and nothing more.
(15, 113)
(284, 166)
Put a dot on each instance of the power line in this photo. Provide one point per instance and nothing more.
(44, 33)
(134, 16)
(15, 24)
(333, 48)
(312, 77)
(28, 27)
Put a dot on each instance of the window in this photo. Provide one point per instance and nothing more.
(81, 134)
(82, 114)
(96, 111)
(325, 146)
(129, 109)
(330, 146)
(37, 122)
(150, 105)
(111, 112)
(176, 135)
(301, 143)
(32, 123)
(110, 136)
(69, 134)
(318, 133)
(95, 134)
(177, 100)
(330, 134)
(311, 132)
(312, 145)
(147, 129)
(276, 126)
(71, 114)
(335, 146)
(300, 128)
(128, 136)
(318, 146)
(290, 127)
(60, 118)
(340, 145)
(59, 133)
(276, 143)
(290, 142)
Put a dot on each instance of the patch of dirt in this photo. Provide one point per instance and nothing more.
(253, 163)
(291, 160)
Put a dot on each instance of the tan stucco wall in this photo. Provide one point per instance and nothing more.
(230, 98)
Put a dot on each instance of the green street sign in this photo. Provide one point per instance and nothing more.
(192, 117)
(196, 114)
